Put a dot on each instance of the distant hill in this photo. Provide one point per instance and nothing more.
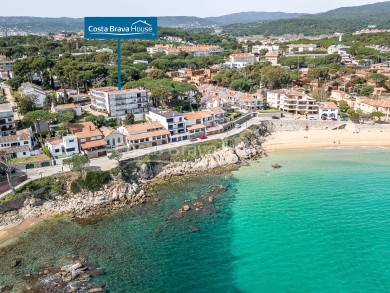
(185, 22)
(40, 24)
(345, 20)
(251, 16)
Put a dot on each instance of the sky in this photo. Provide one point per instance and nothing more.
(200, 8)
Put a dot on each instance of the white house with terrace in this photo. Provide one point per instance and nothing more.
(328, 110)
(171, 120)
(144, 135)
(65, 147)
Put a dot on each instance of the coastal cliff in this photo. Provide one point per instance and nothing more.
(128, 186)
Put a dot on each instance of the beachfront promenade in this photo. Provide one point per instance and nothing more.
(104, 163)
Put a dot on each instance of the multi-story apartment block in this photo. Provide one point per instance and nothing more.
(7, 122)
(6, 65)
(116, 102)
(242, 57)
(171, 120)
(271, 48)
(195, 51)
(369, 106)
(272, 57)
(292, 102)
(301, 47)
(251, 102)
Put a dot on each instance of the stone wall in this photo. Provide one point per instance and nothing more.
(36, 164)
(295, 125)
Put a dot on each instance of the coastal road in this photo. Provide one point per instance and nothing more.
(105, 164)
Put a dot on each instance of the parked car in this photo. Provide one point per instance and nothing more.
(203, 137)
(193, 139)
(237, 125)
(312, 118)
(275, 117)
(323, 118)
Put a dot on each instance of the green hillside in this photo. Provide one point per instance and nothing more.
(345, 20)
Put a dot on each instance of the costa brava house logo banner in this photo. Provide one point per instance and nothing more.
(120, 27)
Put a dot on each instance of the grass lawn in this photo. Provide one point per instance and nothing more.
(40, 157)
(270, 111)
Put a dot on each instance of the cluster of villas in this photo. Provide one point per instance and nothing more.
(196, 51)
(38, 95)
(162, 127)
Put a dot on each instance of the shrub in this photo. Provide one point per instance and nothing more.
(94, 180)
(75, 187)
(46, 152)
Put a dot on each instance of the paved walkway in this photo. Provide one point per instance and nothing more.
(105, 164)
(11, 100)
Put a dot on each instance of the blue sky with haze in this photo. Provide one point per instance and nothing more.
(201, 8)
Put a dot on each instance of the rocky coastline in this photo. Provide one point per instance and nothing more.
(120, 192)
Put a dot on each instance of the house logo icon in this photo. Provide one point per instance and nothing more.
(141, 22)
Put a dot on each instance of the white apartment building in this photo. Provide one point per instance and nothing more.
(242, 57)
(236, 65)
(292, 102)
(270, 48)
(301, 47)
(171, 120)
(339, 49)
(116, 102)
(251, 102)
(195, 51)
(7, 121)
(105, 50)
(140, 61)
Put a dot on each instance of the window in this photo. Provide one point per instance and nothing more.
(71, 140)
(57, 150)
(24, 153)
(119, 139)
(70, 150)
(26, 142)
(170, 120)
(83, 140)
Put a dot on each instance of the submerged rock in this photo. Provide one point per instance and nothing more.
(276, 166)
(193, 228)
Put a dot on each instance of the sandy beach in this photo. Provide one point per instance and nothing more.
(10, 232)
(295, 140)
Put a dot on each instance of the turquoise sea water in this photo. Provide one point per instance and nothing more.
(321, 223)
